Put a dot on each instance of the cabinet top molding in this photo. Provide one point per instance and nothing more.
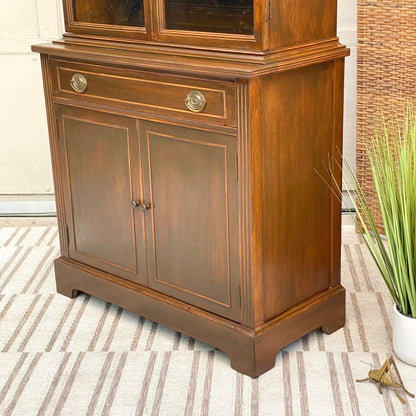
(173, 59)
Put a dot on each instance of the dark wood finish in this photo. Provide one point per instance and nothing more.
(93, 18)
(190, 179)
(92, 11)
(251, 351)
(297, 22)
(296, 253)
(146, 91)
(235, 240)
(55, 156)
(276, 24)
(256, 40)
(110, 12)
(191, 62)
(101, 221)
(232, 16)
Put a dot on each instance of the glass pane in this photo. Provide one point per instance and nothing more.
(110, 12)
(221, 16)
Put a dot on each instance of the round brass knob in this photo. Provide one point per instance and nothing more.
(134, 204)
(195, 101)
(78, 83)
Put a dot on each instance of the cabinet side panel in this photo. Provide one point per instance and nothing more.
(297, 207)
(298, 21)
(55, 159)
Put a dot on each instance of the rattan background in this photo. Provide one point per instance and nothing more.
(386, 73)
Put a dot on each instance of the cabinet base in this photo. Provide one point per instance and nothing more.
(251, 351)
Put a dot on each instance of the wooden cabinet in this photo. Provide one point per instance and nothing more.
(184, 139)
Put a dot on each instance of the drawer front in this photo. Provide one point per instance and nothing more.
(212, 101)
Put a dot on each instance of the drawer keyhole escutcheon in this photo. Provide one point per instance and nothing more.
(195, 101)
(78, 83)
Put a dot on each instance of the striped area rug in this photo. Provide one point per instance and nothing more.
(88, 357)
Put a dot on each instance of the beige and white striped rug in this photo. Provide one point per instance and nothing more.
(88, 357)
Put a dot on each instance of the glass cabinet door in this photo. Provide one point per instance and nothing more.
(236, 24)
(219, 16)
(110, 12)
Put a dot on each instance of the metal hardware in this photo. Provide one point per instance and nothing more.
(142, 207)
(57, 127)
(78, 83)
(66, 229)
(195, 101)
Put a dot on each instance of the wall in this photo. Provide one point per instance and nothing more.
(347, 32)
(25, 172)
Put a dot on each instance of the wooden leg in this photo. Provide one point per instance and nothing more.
(68, 292)
(259, 353)
(335, 319)
(254, 362)
(62, 285)
(330, 328)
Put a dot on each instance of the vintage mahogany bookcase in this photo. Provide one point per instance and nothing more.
(184, 136)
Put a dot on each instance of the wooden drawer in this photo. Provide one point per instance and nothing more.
(145, 91)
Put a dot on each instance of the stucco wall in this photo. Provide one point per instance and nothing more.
(25, 171)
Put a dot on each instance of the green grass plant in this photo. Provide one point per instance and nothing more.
(392, 157)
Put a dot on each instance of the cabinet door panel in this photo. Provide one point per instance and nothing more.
(110, 12)
(192, 224)
(233, 16)
(238, 24)
(96, 151)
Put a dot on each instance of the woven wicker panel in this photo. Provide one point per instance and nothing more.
(386, 74)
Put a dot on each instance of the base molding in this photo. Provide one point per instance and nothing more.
(17, 208)
(251, 351)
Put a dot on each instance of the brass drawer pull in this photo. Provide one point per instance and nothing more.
(78, 83)
(195, 101)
